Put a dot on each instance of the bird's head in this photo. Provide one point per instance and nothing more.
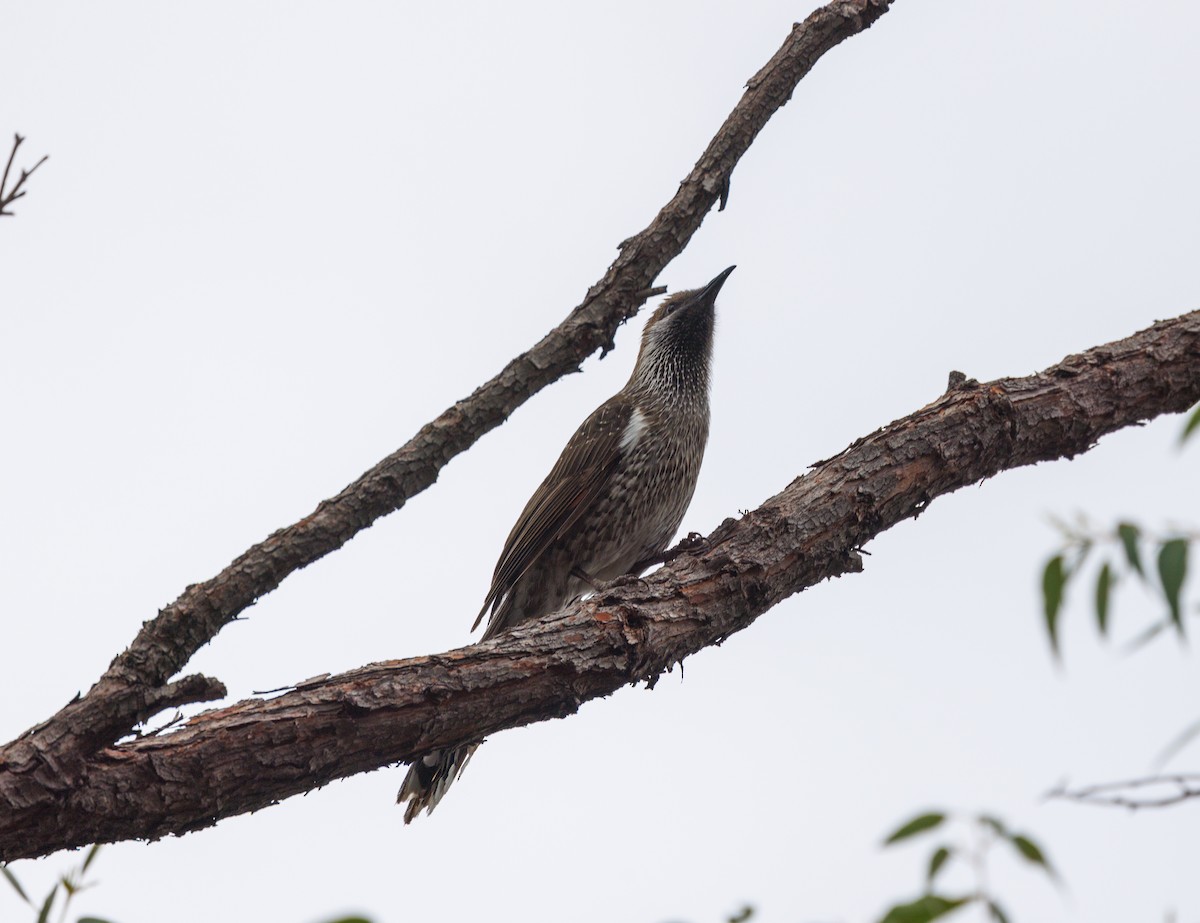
(677, 340)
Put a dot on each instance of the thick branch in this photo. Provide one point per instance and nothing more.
(119, 701)
(252, 754)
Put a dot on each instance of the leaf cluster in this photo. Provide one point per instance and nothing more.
(1126, 559)
(68, 885)
(987, 831)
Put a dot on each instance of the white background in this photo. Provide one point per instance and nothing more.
(273, 239)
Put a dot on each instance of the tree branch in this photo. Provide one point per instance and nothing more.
(1122, 794)
(256, 752)
(124, 696)
(7, 198)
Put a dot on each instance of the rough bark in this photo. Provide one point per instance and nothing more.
(132, 688)
(254, 753)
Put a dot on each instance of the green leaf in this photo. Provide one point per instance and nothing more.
(1191, 426)
(995, 823)
(45, 912)
(996, 912)
(1185, 737)
(1146, 637)
(12, 880)
(1031, 852)
(1068, 533)
(338, 920)
(1054, 581)
(936, 861)
(918, 824)
(1103, 587)
(1129, 535)
(91, 854)
(923, 909)
(92, 920)
(1172, 568)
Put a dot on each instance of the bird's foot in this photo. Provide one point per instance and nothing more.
(693, 542)
(630, 579)
(580, 574)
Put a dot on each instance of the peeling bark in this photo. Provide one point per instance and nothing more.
(251, 754)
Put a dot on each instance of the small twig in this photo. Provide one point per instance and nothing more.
(154, 732)
(7, 198)
(654, 292)
(275, 691)
(17, 139)
(1116, 794)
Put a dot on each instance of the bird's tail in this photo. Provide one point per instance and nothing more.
(430, 777)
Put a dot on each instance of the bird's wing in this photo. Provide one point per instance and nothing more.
(564, 496)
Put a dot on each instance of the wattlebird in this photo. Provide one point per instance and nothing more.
(612, 501)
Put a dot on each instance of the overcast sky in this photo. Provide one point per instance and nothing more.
(273, 239)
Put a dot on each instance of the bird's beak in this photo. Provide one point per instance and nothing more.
(708, 294)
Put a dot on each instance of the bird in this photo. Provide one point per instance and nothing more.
(611, 503)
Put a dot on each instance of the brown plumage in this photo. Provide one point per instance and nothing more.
(613, 500)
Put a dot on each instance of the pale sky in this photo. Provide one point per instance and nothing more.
(274, 239)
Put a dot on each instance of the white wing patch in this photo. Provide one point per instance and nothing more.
(633, 429)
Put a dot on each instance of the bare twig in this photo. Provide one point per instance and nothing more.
(7, 198)
(1127, 794)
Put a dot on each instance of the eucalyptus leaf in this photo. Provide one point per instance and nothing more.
(44, 915)
(1104, 584)
(91, 854)
(918, 824)
(1031, 852)
(12, 880)
(1146, 636)
(1185, 737)
(1191, 426)
(1129, 535)
(1054, 581)
(936, 861)
(1172, 568)
(923, 909)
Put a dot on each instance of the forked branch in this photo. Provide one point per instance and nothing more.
(127, 695)
(8, 196)
(252, 754)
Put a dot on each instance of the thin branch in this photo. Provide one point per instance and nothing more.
(17, 139)
(7, 198)
(254, 753)
(118, 701)
(1121, 794)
